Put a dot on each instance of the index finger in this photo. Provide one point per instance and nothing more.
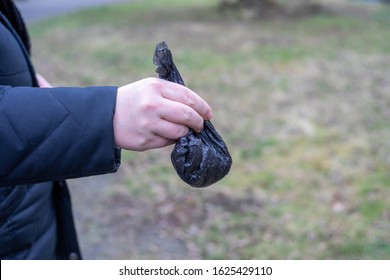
(186, 96)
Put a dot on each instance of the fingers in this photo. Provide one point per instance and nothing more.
(181, 94)
(179, 113)
(164, 133)
(160, 134)
(153, 143)
(153, 113)
(169, 130)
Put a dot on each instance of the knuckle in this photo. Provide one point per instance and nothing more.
(187, 115)
(148, 105)
(153, 81)
(154, 85)
(143, 143)
(192, 119)
(190, 98)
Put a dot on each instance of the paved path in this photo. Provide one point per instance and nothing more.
(35, 10)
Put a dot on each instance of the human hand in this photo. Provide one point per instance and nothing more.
(153, 113)
(42, 82)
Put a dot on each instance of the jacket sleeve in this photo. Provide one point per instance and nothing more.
(53, 134)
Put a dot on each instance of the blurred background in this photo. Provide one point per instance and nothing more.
(301, 95)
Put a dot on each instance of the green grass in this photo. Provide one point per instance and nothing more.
(301, 103)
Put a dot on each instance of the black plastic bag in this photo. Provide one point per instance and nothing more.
(200, 159)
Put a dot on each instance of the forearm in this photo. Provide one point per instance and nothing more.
(56, 133)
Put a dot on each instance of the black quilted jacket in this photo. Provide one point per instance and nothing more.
(46, 136)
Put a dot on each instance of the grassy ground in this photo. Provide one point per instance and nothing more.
(303, 105)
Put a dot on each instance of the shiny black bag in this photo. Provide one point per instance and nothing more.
(200, 159)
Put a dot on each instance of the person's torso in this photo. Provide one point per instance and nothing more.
(27, 215)
(28, 223)
(14, 64)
